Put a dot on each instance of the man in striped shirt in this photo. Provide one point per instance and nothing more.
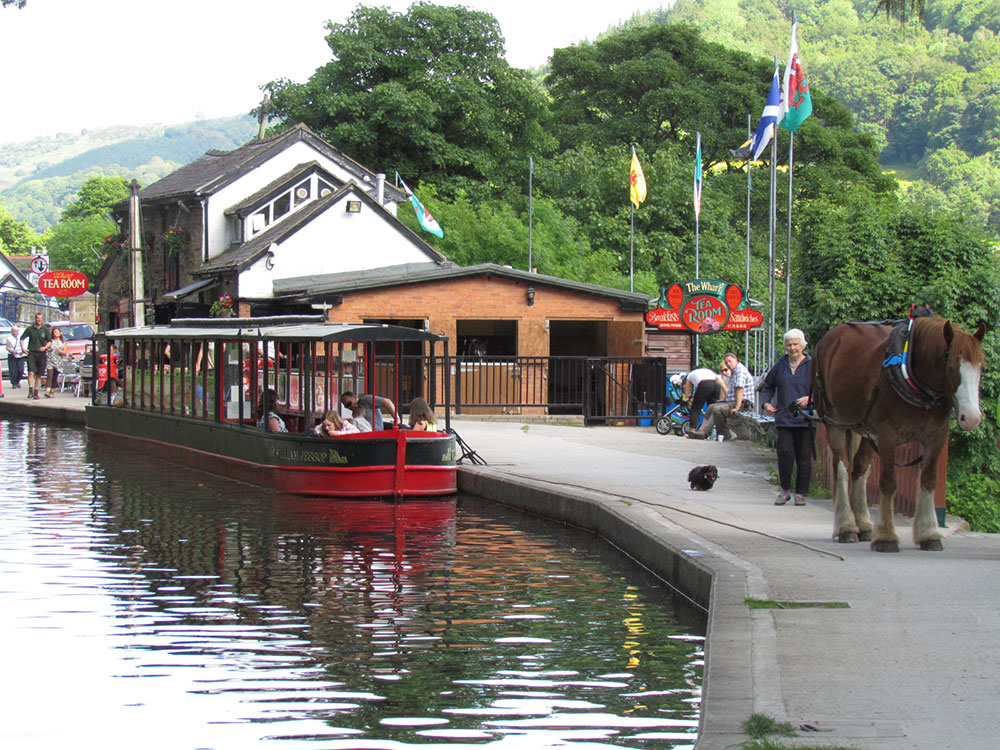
(742, 392)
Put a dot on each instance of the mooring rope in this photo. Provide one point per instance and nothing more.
(683, 510)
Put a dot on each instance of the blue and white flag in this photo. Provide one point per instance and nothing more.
(427, 222)
(768, 124)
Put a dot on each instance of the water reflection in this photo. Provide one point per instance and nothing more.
(147, 603)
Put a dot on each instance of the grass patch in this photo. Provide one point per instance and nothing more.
(774, 604)
(816, 490)
(761, 727)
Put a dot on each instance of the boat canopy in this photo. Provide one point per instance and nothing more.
(286, 328)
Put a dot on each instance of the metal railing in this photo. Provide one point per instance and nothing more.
(598, 388)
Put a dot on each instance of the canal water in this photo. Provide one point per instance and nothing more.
(142, 604)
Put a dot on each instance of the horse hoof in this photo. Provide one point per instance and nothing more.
(885, 545)
(865, 535)
(847, 537)
(932, 545)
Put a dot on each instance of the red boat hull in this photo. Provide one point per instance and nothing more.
(392, 463)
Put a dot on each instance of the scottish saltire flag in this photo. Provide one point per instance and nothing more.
(796, 103)
(769, 119)
(637, 181)
(697, 179)
(427, 222)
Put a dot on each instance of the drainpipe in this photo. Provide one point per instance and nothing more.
(380, 188)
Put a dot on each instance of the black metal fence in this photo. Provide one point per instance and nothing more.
(598, 388)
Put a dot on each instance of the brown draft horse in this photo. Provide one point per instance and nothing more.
(863, 412)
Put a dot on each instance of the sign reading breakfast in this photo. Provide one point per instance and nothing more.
(703, 306)
(63, 283)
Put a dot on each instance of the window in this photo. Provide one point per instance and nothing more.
(282, 205)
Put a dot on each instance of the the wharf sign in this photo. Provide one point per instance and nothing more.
(703, 306)
(63, 283)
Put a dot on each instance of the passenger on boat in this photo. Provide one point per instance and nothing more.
(266, 418)
(373, 407)
(114, 392)
(421, 416)
(358, 419)
(333, 426)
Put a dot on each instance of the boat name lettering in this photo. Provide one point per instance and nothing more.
(314, 457)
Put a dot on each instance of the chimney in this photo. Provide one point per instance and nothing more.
(380, 188)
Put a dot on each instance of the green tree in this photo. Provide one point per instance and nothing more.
(427, 93)
(96, 197)
(16, 237)
(78, 244)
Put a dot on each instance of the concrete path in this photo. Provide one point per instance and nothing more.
(911, 663)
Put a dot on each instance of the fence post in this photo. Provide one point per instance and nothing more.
(458, 384)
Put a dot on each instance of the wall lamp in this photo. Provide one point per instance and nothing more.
(531, 296)
(353, 207)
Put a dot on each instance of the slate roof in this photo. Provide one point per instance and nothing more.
(330, 285)
(214, 170)
(243, 256)
(18, 267)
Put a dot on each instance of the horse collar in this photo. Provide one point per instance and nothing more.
(902, 378)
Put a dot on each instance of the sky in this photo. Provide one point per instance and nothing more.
(71, 65)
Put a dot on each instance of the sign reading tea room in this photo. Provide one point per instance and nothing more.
(703, 306)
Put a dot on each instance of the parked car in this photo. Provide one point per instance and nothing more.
(78, 335)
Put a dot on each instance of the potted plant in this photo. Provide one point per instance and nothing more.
(222, 307)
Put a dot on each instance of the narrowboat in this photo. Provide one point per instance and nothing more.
(191, 391)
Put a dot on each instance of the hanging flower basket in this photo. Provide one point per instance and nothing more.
(222, 307)
(175, 239)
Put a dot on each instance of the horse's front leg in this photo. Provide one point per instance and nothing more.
(925, 525)
(860, 469)
(845, 528)
(885, 539)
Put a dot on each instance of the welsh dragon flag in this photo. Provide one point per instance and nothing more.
(427, 222)
(796, 103)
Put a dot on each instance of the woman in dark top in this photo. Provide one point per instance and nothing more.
(786, 391)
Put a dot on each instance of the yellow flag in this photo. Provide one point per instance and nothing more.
(637, 182)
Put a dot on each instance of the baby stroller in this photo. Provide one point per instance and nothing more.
(675, 419)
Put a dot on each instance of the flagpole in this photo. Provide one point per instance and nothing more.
(531, 208)
(697, 214)
(788, 249)
(771, 248)
(631, 250)
(746, 355)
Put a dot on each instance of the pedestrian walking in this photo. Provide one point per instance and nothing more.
(15, 357)
(39, 340)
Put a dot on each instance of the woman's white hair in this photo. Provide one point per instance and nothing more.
(794, 333)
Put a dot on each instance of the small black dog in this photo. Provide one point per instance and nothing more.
(703, 477)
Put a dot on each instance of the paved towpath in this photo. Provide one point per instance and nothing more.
(912, 663)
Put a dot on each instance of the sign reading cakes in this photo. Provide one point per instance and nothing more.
(703, 306)
(62, 283)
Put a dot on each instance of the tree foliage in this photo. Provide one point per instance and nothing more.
(16, 237)
(96, 197)
(427, 91)
(77, 243)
